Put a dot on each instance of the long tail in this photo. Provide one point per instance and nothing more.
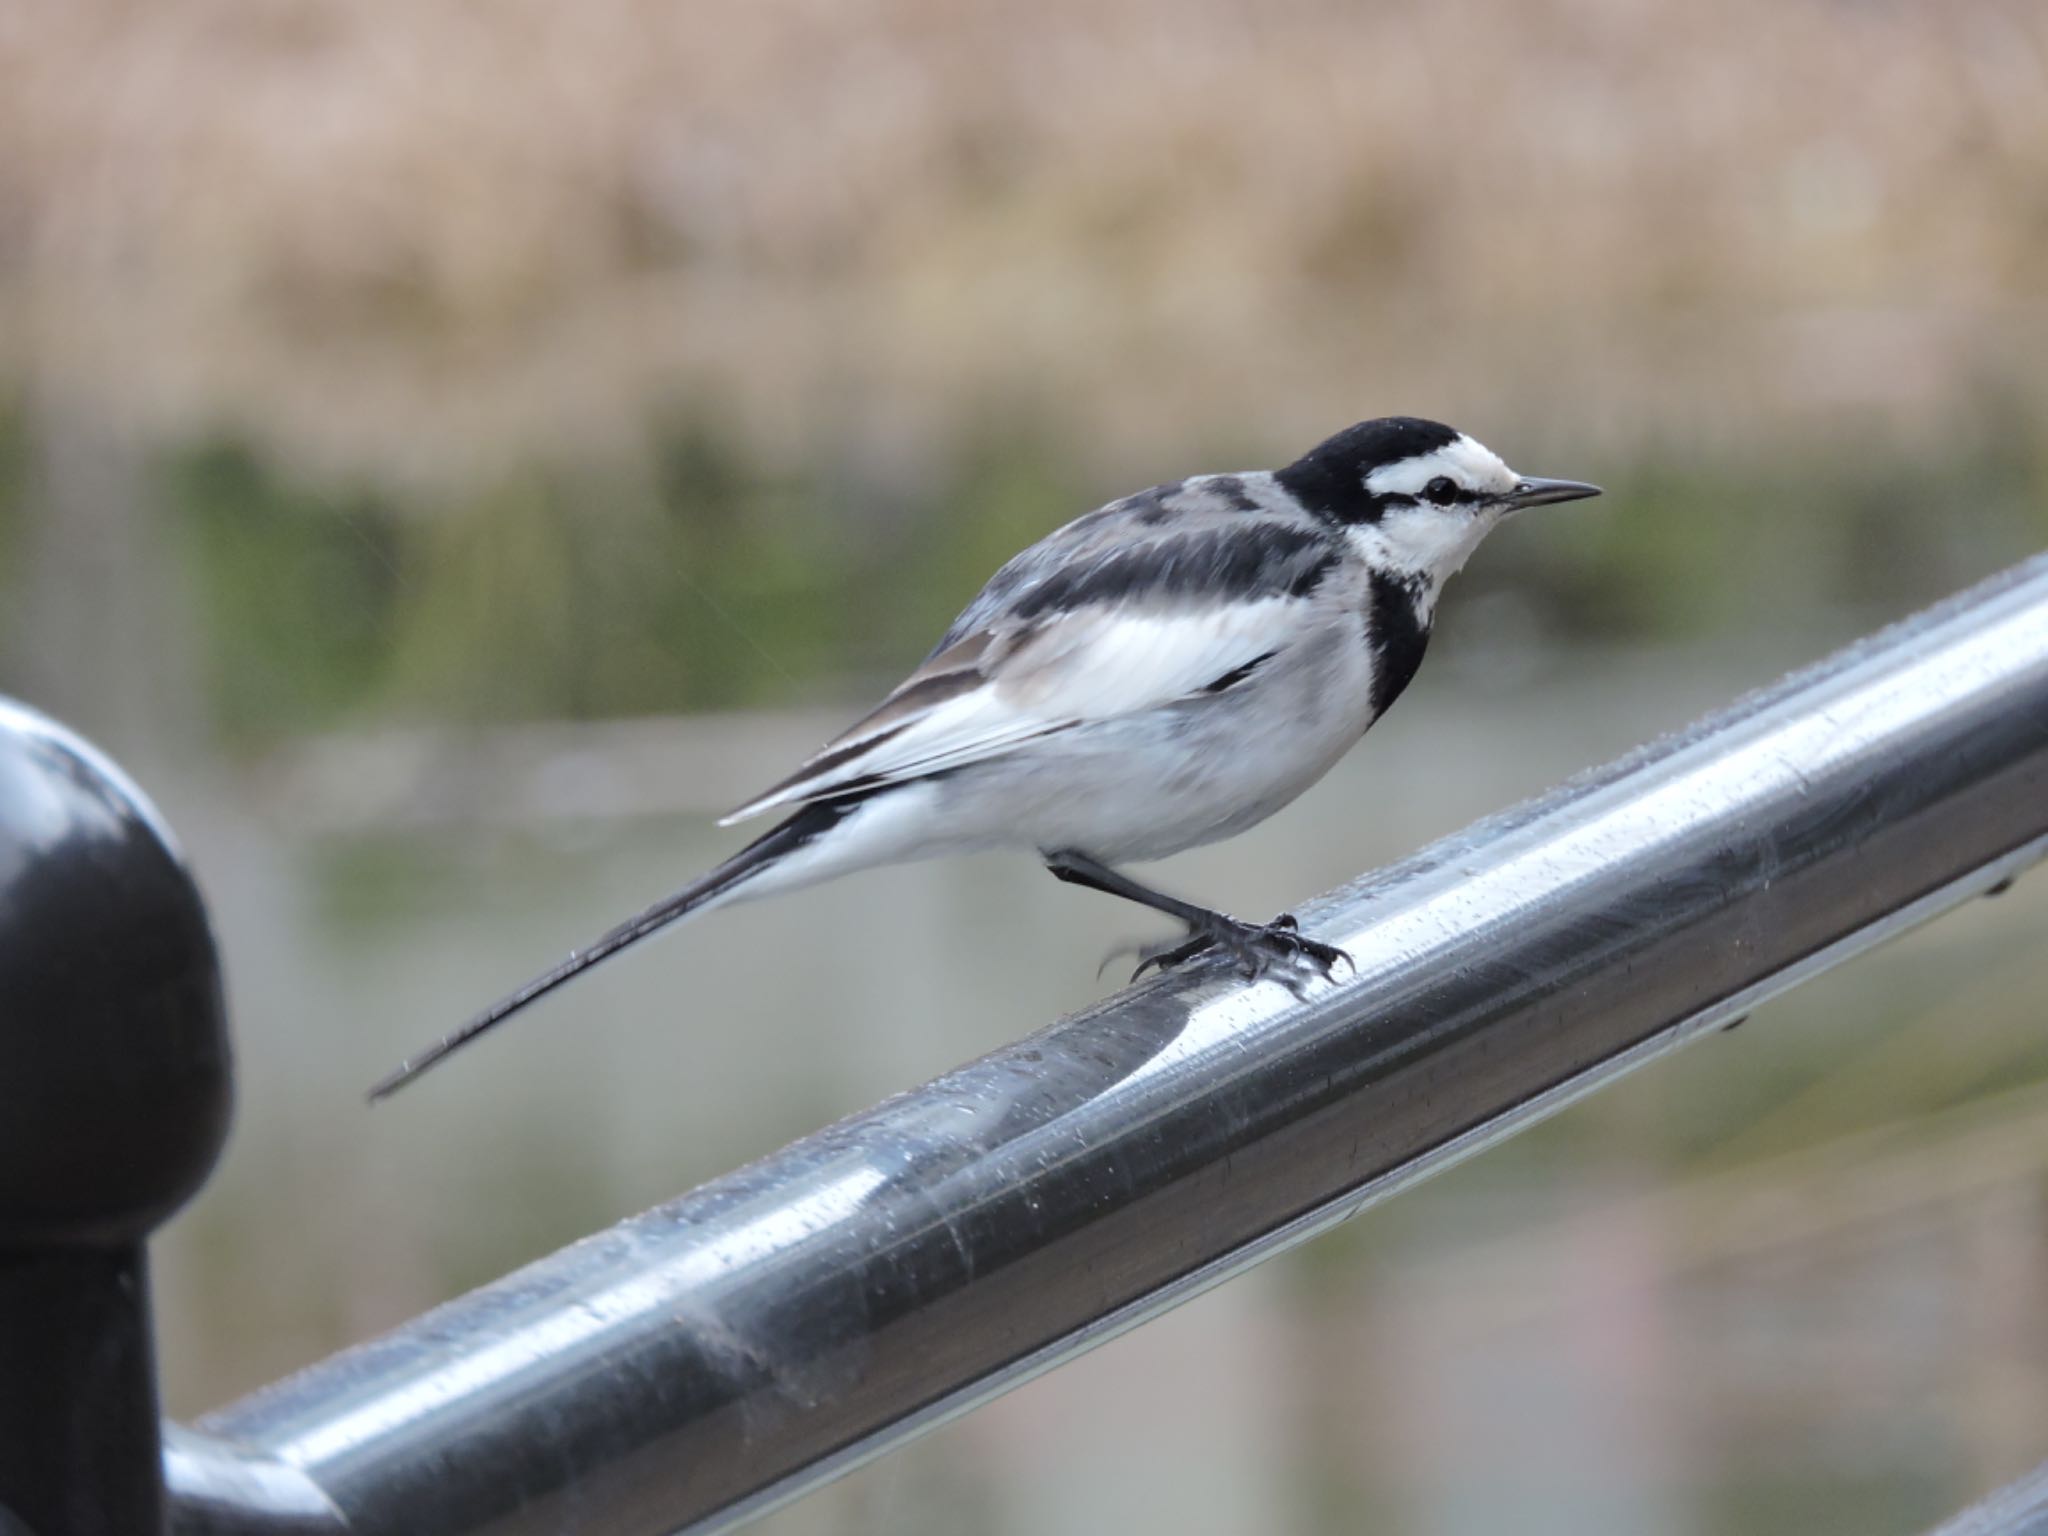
(805, 827)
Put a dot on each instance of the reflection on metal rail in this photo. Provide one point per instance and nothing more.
(699, 1363)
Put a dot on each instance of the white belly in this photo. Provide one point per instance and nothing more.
(1151, 785)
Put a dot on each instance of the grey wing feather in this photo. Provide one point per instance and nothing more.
(1205, 537)
(1136, 604)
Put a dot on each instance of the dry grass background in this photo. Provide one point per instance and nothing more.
(416, 237)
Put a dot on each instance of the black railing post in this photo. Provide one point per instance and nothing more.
(114, 1100)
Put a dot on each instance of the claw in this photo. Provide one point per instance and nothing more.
(1127, 947)
(1277, 949)
(1161, 956)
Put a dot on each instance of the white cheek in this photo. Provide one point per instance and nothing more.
(1421, 541)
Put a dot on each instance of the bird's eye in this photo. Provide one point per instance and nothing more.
(1442, 490)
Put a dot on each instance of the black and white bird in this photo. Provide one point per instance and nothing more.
(1163, 672)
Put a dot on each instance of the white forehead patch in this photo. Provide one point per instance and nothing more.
(1473, 465)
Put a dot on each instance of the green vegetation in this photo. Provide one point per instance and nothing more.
(707, 581)
(295, 587)
(14, 470)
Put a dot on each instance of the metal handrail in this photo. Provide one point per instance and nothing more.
(695, 1365)
(2020, 1508)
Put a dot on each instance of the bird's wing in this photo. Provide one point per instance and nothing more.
(1108, 617)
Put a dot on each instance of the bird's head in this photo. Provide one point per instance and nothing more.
(1415, 496)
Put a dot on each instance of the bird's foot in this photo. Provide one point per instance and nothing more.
(1279, 949)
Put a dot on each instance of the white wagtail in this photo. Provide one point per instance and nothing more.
(1166, 671)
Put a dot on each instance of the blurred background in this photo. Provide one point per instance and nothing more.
(451, 452)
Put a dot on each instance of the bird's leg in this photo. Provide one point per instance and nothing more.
(1256, 947)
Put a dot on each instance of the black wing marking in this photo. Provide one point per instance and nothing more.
(1208, 548)
(1237, 675)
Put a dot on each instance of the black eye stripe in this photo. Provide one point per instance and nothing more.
(1330, 480)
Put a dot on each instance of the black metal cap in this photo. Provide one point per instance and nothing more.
(114, 1074)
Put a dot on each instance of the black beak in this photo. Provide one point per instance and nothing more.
(1532, 492)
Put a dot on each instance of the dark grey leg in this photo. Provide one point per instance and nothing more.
(1256, 947)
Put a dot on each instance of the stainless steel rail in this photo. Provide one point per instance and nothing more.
(693, 1366)
(2020, 1508)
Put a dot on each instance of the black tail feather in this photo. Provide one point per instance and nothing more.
(806, 826)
